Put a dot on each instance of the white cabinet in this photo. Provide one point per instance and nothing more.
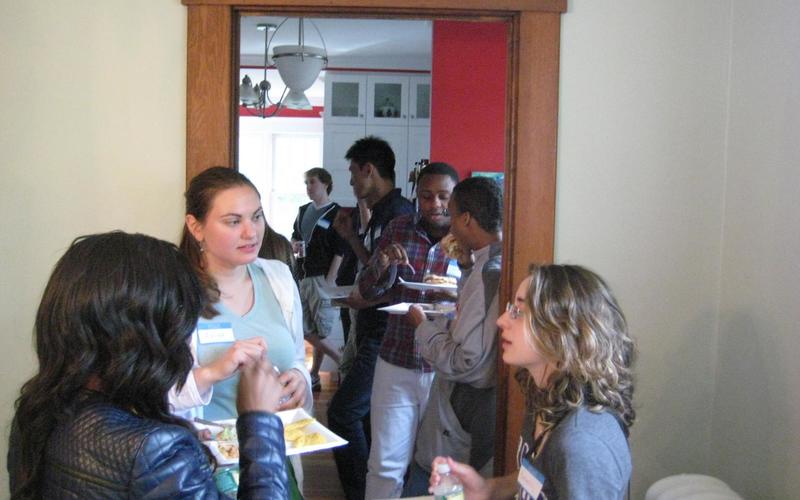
(336, 140)
(399, 100)
(380, 98)
(395, 108)
(397, 137)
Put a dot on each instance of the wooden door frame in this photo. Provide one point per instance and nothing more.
(531, 124)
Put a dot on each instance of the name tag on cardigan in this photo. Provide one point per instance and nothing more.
(215, 333)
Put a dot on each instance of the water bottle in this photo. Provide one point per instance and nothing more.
(449, 487)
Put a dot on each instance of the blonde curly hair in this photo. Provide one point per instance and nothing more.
(575, 322)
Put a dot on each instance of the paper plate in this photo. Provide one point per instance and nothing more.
(288, 416)
(430, 309)
(415, 285)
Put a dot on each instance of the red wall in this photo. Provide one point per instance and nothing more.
(469, 73)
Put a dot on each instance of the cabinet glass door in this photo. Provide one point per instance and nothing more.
(420, 101)
(387, 100)
(423, 108)
(345, 98)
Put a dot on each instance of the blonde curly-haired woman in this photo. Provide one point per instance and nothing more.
(567, 332)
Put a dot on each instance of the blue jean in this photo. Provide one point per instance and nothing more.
(348, 416)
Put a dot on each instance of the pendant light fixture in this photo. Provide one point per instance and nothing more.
(298, 66)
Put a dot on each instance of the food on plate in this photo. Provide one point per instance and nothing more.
(437, 279)
(228, 450)
(227, 434)
(444, 307)
(291, 435)
(309, 439)
(296, 436)
(298, 425)
(452, 248)
(439, 306)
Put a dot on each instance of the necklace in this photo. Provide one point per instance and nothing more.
(538, 441)
(247, 294)
(239, 298)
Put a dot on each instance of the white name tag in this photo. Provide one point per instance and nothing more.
(215, 333)
(530, 480)
(323, 223)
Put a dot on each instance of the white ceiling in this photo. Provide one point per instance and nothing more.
(345, 39)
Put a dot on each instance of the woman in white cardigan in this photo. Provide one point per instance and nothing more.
(253, 305)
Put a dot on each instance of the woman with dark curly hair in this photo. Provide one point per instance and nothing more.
(566, 330)
(111, 337)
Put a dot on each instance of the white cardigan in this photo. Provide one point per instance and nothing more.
(188, 403)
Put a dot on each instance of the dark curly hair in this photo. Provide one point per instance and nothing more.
(116, 314)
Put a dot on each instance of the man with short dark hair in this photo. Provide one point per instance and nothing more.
(460, 418)
(372, 177)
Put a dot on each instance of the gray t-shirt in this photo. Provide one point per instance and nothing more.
(586, 456)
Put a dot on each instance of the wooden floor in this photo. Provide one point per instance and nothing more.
(321, 481)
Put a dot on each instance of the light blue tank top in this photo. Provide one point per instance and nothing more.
(265, 319)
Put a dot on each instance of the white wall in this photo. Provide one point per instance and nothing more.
(756, 430)
(678, 176)
(639, 200)
(92, 138)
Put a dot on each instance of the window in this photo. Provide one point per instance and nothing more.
(274, 153)
(292, 154)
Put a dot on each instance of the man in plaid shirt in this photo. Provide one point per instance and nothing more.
(402, 379)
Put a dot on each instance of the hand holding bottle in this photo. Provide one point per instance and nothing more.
(453, 480)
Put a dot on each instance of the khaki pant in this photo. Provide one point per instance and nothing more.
(318, 314)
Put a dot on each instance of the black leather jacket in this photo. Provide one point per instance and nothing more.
(107, 452)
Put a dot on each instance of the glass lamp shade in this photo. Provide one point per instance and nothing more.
(247, 93)
(296, 99)
(298, 66)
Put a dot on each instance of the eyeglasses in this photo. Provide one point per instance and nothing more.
(513, 311)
